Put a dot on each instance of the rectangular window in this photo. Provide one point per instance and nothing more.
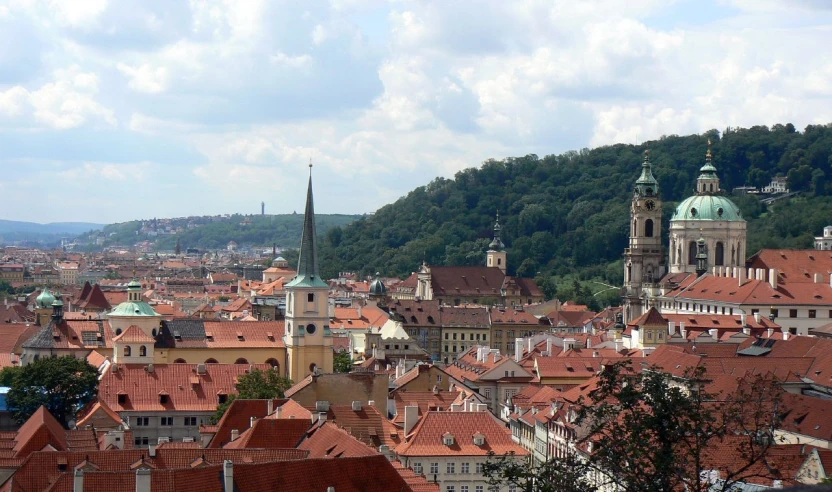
(462, 336)
(512, 488)
(166, 421)
(478, 488)
(142, 421)
(792, 313)
(190, 421)
(454, 348)
(463, 488)
(446, 336)
(310, 297)
(434, 468)
(446, 348)
(451, 468)
(813, 313)
(450, 488)
(465, 468)
(649, 335)
(454, 336)
(438, 378)
(793, 331)
(487, 392)
(417, 468)
(483, 337)
(479, 469)
(141, 441)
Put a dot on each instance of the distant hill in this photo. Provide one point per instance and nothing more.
(68, 228)
(215, 232)
(567, 216)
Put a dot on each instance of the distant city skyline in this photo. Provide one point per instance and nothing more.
(116, 111)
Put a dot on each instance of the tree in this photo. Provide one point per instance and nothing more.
(342, 362)
(653, 432)
(256, 385)
(61, 384)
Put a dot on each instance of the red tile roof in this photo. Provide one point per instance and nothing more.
(272, 434)
(794, 265)
(186, 389)
(327, 440)
(367, 425)
(425, 400)
(238, 416)
(729, 290)
(426, 437)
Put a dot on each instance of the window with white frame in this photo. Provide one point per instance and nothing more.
(465, 468)
(434, 468)
(478, 488)
(450, 488)
(479, 468)
(463, 488)
(142, 421)
(190, 421)
(451, 468)
(417, 468)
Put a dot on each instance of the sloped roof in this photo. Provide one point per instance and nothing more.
(367, 425)
(327, 440)
(794, 265)
(186, 389)
(426, 438)
(271, 434)
(467, 281)
(133, 334)
(238, 416)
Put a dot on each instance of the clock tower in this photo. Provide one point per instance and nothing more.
(643, 260)
(308, 338)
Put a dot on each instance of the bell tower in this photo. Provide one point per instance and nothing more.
(643, 260)
(496, 255)
(308, 338)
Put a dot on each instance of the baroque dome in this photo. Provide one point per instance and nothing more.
(708, 207)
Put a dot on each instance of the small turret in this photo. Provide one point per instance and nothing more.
(496, 255)
(58, 311)
(646, 184)
(708, 182)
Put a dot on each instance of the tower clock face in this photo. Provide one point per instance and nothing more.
(650, 204)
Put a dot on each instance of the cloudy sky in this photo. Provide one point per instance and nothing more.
(125, 109)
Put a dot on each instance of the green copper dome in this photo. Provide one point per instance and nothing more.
(130, 308)
(377, 288)
(134, 284)
(45, 299)
(708, 207)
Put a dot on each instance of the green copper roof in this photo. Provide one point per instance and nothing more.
(708, 207)
(377, 288)
(133, 309)
(646, 184)
(308, 275)
(134, 284)
(497, 243)
(45, 299)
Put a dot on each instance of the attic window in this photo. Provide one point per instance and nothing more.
(222, 398)
(479, 439)
(448, 439)
(163, 398)
(122, 398)
(177, 336)
(209, 336)
(270, 336)
(240, 337)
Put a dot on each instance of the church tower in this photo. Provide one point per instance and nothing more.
(643, 260)
(308, 339)
(496, 255)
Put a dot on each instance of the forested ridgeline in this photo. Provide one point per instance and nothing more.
(569, 213)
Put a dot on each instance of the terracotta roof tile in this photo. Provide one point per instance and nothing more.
(272, 434)
(327, 440)
(426, 437)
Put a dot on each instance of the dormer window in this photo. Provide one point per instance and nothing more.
(479, 439)
(240, 337)
(122, 398)
(448, 439)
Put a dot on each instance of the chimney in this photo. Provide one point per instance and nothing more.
(818, 278)
(278, 412)
(743, 319)
(143, 480)
(671, 328)
(683, 331)
(321, 417)
(619, 345)
(150, 368)
(252, 420)
(518, 349)
(269, 406)
(596, 354)
(549, 346)
(529, 345)
(746, 330)
(756, 318)
(322, 406)
(356, 406)
(78, 482)
(372, 403)
(769, 332)
(200, 369)
(715, 334)
(228, 476)
(411, 418)
(786, 335)
(740, 275)
(235, 434)
(772, 278)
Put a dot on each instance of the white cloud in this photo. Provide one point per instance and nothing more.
(145, 78)
(66, 102)
(77, 13)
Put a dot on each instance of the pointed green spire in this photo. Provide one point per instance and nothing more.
(646, 183)
(497, 244)
(308, 275)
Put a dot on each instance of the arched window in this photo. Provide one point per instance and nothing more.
(127, 351)
(648, 228)
(711, 187)
(273, 362)
(635, 227)
(719, 254)
(241, 360)
(180, 361)
(692, 253)
(211, 361)
(142, 351)
(153, 332)
(118, 331)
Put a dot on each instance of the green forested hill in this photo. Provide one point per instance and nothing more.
(215, 232)
(568, 214)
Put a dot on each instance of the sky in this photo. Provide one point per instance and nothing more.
(115, 110)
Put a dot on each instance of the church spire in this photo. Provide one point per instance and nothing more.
(646, 184)
(497, 243)
(708, 182)
(308, 275)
